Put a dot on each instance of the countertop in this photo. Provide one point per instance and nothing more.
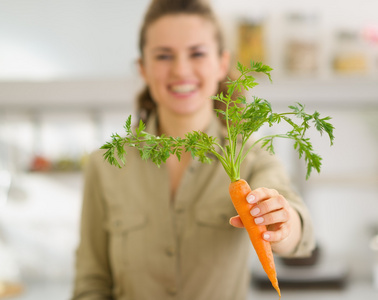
(358, 289)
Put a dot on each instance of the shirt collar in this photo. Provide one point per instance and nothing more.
(215, 128)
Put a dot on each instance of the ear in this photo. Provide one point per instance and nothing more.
(225, 59)
(142, 70)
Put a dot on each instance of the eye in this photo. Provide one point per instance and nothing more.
(163, 57)
(198, 54)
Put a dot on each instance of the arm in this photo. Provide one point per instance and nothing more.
(93, 279)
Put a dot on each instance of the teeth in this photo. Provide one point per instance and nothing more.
(183, 88)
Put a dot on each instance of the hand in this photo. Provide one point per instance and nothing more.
(270, 209)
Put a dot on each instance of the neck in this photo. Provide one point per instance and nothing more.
(178, 125)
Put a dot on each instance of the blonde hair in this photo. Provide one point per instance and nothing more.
(157, 9)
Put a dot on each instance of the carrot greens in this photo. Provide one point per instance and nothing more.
(242, 118)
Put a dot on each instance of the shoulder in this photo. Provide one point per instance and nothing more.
(97, 163)
(258, 152)
(96, 157)
(260, 160)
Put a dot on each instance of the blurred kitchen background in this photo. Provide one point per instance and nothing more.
(68, 79)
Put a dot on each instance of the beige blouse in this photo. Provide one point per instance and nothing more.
(136, 243)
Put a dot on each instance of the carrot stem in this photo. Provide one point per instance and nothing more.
(238, 191)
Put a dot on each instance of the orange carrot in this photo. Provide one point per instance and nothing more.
(238, 191)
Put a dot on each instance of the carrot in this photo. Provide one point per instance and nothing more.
(238, 191)
(242, 120)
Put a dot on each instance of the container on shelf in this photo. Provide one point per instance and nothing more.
(370, 35)
(301, 53)
(251, 41)
(350, 54)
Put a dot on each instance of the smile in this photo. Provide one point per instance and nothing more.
(183, 88)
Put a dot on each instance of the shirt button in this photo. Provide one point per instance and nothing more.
(224, 217)
(180, 210)
(170, 251)
(172, 291)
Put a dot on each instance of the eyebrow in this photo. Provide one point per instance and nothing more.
(167, 49)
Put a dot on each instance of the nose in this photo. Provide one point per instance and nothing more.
(181, 66)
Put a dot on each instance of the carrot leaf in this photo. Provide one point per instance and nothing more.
(243, 118)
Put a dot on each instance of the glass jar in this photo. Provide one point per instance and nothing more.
(370, 35)
(251, 41)
(302, 43)
(350, 53)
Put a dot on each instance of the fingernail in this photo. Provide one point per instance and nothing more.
(255, 211)
(259, 220)
(266, 236)
(250, 199)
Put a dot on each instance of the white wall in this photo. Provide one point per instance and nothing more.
(50, 39)
(60, 39)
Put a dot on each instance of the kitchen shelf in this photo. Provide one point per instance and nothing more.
(340, 92)
(78, 94)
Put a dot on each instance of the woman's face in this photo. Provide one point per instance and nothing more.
(181, 63)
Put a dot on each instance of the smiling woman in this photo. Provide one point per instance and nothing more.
(183, 71)
(197, 45)
(156, 233)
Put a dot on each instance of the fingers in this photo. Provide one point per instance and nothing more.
(236, 222)
(280, 233)
(278, 216)
(272, 210)
(269, 205)
(260, 194)
(277, 232)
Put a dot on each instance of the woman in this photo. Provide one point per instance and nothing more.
(160, 233)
